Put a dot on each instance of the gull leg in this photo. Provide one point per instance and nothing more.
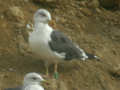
(56, 75)
(47, 71)
(47, 68)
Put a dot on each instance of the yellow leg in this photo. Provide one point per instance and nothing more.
(55, 67)
(47, 71)
(47, 68)
(56, 71)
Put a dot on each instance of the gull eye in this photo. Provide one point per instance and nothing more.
(42, 14)
(34, 78)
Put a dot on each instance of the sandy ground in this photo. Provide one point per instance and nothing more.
(94, 29)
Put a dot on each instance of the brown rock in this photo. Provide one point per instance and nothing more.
(53, 84)
(108, 3)
(45, 0)
(17, 13)
(83, 3)
(23, 47)
(118, 3)
(117, 70)
(93, 4)
(86, 11)
(50, 0)
(98, 10)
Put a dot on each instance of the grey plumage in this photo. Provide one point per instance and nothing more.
(61, 44)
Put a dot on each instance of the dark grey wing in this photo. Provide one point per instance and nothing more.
(17, 88)
(61, 44)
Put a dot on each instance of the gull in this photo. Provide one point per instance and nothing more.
(32, 81)
(51, 45)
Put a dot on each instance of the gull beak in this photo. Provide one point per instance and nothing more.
(52, 23)
(45, 82)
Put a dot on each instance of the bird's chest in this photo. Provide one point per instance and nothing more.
(39, 43)
(34, 87)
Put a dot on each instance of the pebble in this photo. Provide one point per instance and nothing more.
(17, 13)
(86, 11)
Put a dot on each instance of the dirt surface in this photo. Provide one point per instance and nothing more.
(94, 29)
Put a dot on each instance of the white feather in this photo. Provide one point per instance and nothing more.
(38, 41)
(34, 87)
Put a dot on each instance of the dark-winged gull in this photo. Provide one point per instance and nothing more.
(32, 81)
(52, 45)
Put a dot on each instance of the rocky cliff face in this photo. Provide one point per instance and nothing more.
(94, 28)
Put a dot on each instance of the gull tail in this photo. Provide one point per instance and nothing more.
(85, 56)
(91, 56)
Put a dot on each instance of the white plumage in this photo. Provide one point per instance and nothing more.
(32, 81)
(51, 45)
(38, 41)
(40, 37)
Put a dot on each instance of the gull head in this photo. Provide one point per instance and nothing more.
(42, 16)
(32, 78)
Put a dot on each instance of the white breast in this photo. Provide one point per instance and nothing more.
(38, 41)
(33, 87)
